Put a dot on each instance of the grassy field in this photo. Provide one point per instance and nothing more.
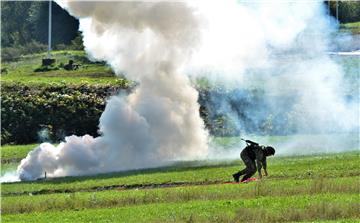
(321, 188)
(23, 70)
(317, 188)
(353, 27)
(15, 152)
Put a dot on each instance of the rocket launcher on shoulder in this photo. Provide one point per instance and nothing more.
(249, 142)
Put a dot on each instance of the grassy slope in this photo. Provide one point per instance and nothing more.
(12, 154)
(15, 152)
(353, 27)
(23, 70)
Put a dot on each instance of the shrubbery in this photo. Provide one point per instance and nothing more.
(233, 112)
(46, 68)
(57, 110)
(14, 53)
(32, 113)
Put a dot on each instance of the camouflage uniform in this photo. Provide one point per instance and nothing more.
(251, 154)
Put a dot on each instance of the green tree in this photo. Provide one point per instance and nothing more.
(26, 21)
(15, 29)
(64, 26)
(348, 11)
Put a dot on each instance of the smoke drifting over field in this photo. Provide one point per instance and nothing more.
(277, 55)
(278, 48)
(273, 75)
(159, 121)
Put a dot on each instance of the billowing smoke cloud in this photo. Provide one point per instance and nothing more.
(276, 76)
(158, 122)
(271, 58)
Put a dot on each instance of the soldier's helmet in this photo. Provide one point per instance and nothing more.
(270, 150)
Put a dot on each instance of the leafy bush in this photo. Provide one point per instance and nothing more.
(61, 110)
(348, 11)
(46, 68)
(34, 47)
(10, 53)
(31, 113)
(77, 43)
(14, 53)
(228, 113)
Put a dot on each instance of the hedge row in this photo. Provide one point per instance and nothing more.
(33, 113)
(29, 113)
(232, 112)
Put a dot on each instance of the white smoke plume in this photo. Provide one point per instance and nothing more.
(158, 122)
(11, 176)
(279, 48)
(272, 57)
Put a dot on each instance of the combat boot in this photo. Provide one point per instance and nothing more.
(236, 177)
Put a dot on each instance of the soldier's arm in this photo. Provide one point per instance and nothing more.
(259, 158)
(259, 166)
(265, 167)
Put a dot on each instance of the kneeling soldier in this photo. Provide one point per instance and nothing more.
(251, 153)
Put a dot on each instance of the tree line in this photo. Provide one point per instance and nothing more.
(24, 26)
(348, 11)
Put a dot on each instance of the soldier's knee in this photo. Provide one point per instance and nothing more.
(252, 170)
(252, 167)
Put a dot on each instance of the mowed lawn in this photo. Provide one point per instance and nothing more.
(321, 188)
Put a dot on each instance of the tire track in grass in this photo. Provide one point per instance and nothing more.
(136, 186)
(118, 187)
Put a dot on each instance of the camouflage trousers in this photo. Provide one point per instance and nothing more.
(250, 168)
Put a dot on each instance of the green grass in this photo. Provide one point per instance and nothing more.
(89, 72)
(8, 167)
(12, 154)
(321, 188)
(353, 27)
(113, 198)
(279, 168)
(273, 209)
(16, 152)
